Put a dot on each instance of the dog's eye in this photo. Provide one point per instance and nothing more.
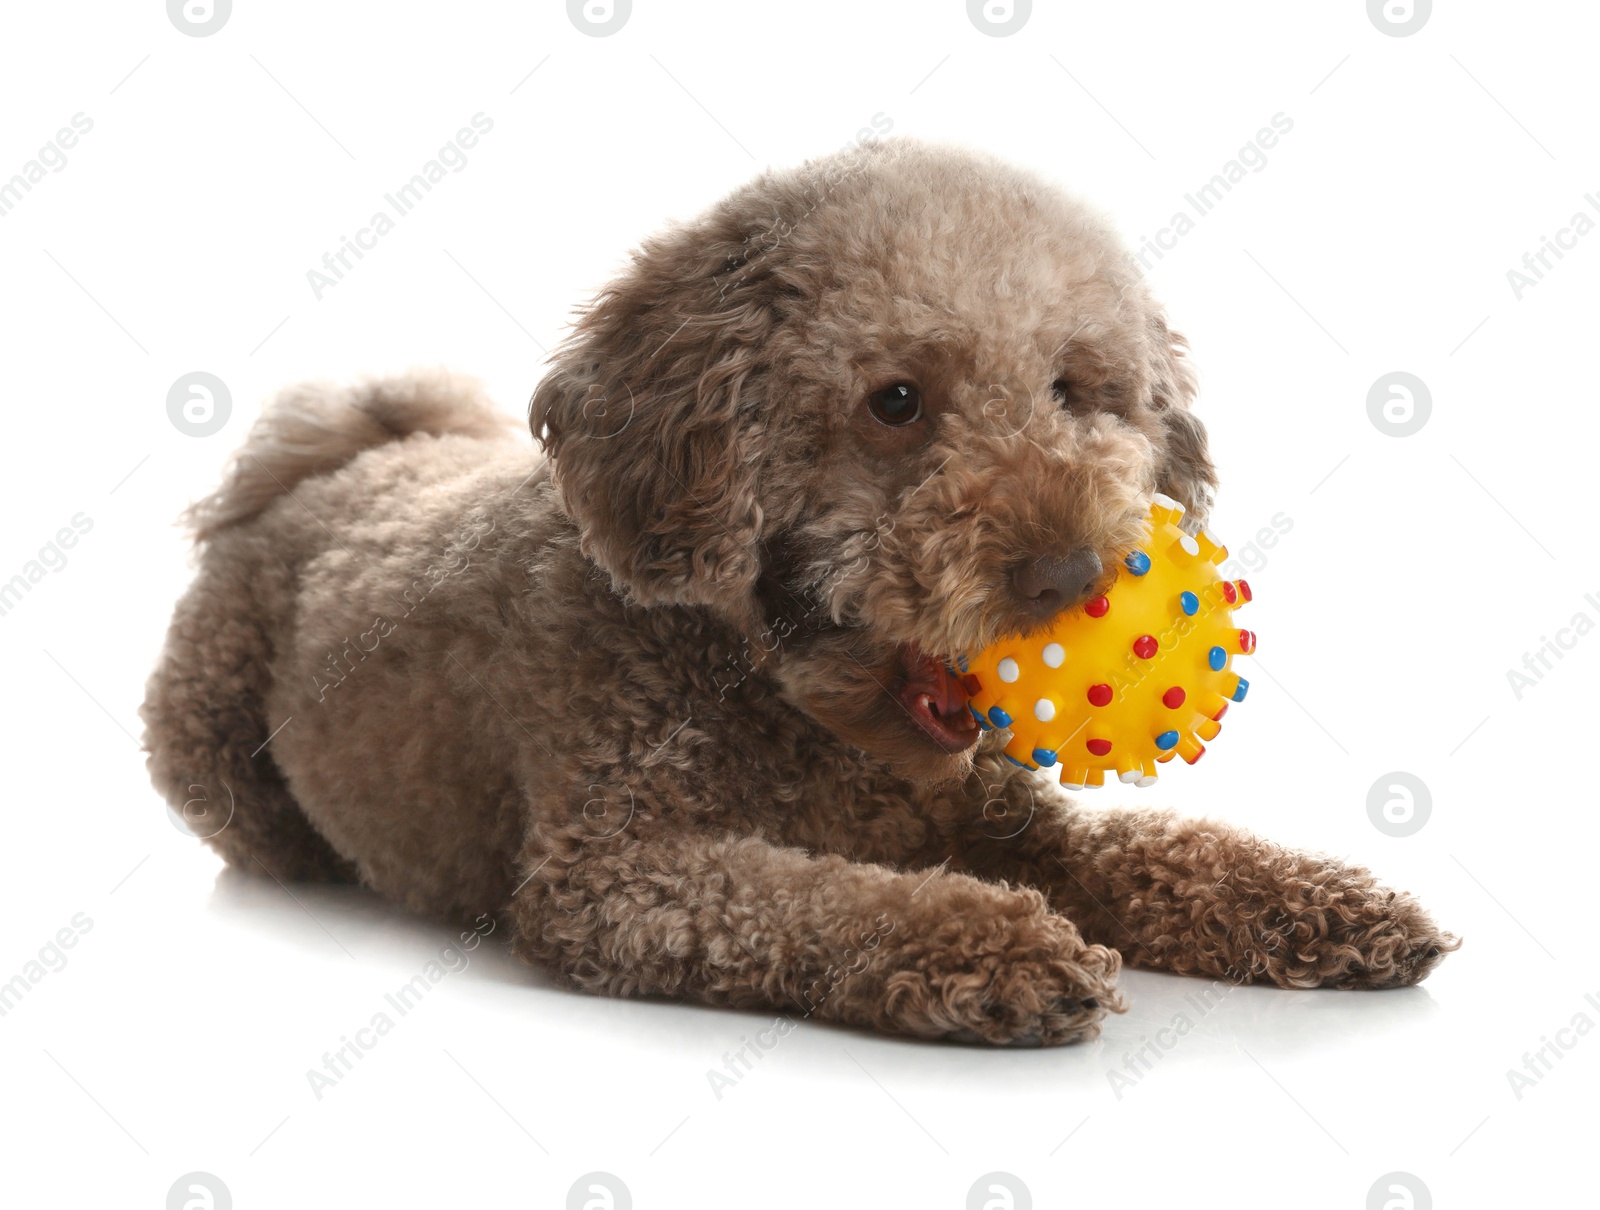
(896, 405)
(1065, 393)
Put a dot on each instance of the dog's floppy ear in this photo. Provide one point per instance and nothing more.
(654, 416)
(1184, 470)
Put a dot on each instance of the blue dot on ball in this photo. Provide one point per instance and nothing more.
(1167, 739)
(1044, 757)
(1244, 688)
(1189, 603)
(999, 717)
(977, 714)
(1138, 562)
(1217, 658)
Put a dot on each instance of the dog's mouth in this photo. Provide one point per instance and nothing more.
(932, 694)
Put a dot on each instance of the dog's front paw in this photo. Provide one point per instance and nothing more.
(1377, 938)
(1033, 982)
(1313, 922)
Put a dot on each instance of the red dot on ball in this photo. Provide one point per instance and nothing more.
(1229, 592)
(1099, 695)
(1173, 698)
(1098, 747)
(1244, 590)
(1097, 607)
(1217, 717)
(1144, 646)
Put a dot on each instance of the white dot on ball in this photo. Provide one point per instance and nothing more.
(1044, 710)
(1054, 655)
(1146, 781)
(1189, 544)
(1008, 670)
(1129, 776)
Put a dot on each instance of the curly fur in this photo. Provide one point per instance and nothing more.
(639, 696)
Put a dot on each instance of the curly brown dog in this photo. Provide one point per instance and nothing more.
(673, 701)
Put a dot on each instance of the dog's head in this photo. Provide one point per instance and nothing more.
(877, 411)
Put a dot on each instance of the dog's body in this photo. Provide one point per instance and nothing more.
(672, 701)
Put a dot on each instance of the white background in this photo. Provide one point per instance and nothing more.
(1417, 571)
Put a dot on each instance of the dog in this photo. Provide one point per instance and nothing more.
(671, 697)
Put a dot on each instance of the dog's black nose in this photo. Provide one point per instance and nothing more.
(1049, 584)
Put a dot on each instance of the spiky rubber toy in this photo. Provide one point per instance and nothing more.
(1133, 678)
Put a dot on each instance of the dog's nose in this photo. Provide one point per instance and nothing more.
(1049, 584)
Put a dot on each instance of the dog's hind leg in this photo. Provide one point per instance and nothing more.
(206, 726)
(206, 729)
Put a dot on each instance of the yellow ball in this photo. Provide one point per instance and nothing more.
(1132, 679)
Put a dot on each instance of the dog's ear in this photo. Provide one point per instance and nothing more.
(654, 415)
(1184, 470)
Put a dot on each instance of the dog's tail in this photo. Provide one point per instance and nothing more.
(311, 430)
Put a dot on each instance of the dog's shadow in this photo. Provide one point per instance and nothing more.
(1171, 1021)
(357, 923)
